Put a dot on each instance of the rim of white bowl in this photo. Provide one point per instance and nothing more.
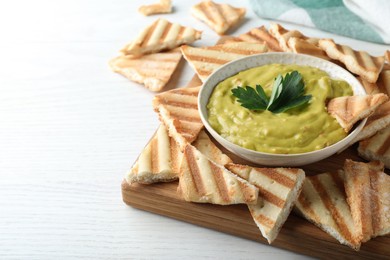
(292, 58)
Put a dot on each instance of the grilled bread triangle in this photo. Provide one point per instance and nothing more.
(162, 7)
(219, 17)
(204, 181)
(377, 147)
(161, 35)
(323, 202)
(368, 195)
(349, 109)
(178, 110)
(259, 35)
(283, 35)
(152, 70)
(205, 60)
(299, 45)
(158, 162)
(279, 188)
(358, 62)
(204, 144)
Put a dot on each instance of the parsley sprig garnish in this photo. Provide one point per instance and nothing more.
(287, 93)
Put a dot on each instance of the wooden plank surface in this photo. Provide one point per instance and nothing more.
(297, 235)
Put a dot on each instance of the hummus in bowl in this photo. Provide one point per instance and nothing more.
(297, 136)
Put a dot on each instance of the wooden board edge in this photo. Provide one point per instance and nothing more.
(297, 235)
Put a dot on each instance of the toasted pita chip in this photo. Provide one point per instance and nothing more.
(161, 35)
(349, 109)
(204, 181)
(220, 17)
(358, 62)
(279, 188)
(178, 110)
(377, 147)
(283, 35)
(368, 195)
(152, 70)
(323, 202)
(259, 35)
(204, 144)
(205, 60)
(298, 45)
(162, 7)
(158, 162)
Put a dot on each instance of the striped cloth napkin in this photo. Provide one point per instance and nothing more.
(359, 19)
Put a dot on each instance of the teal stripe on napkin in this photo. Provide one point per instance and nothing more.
(327, 15)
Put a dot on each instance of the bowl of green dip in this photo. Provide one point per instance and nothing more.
(294, 137)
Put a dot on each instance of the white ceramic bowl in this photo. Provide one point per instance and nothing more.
(232, 68)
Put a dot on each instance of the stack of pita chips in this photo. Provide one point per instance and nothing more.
(351, 205)
(153, 56)
(178, 110)
(220, 17)
(375, 136)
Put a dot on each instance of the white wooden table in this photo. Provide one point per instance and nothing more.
(70, 129)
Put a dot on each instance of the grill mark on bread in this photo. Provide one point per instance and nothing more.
(195, 172)
(375, 202)
(185, 92)
(179, 104)
(219, 13)
(178, 116)
(338, 181)
(165, 33)
(278, 177)
(338, 218)
(247, 192)
(206, 59)
(180, 33)
(360, 59)
(366, 220)
(205, 9)
(271, 198)
(306, 204)
(233, 50)
(264, 220)
(220, 181)
(145, 40)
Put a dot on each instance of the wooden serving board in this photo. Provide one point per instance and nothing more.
(297, 234)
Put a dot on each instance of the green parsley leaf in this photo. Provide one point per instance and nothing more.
(286, 93)
(251, 98)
